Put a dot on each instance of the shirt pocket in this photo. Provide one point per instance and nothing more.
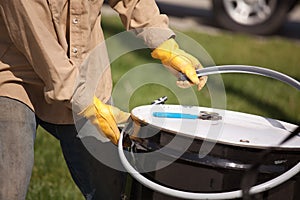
(94, 7)
(56, 8)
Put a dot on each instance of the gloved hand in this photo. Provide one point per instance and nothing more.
(105, 118)
(173, 57)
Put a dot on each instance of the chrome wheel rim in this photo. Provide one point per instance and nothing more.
(249, 12)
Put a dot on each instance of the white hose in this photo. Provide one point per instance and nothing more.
(247, 70)
(218, 195)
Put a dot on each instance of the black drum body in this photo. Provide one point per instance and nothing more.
(218, 163)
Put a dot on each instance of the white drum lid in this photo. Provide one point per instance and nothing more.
(235, 128)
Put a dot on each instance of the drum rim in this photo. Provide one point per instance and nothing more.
(242, 145)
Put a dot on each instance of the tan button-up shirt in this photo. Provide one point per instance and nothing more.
(44, 42)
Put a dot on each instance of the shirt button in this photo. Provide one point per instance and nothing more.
(75, 21)
(75, 50)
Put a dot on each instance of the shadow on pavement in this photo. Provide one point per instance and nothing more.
(202, 16)
(290, 29)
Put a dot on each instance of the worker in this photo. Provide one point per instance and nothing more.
(43, 44)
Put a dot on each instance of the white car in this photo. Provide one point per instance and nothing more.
(252, 16)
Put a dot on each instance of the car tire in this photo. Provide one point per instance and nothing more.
(228, 16)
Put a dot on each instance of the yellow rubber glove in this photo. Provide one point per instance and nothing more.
(172, 56)
(105, 118)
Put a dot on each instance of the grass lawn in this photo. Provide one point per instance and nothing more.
(244, 93)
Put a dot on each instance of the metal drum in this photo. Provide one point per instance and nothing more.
(208, 153)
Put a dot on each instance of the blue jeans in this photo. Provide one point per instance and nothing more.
(18, 126)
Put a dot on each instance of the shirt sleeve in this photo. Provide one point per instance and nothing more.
(39, 44)
(144, 17)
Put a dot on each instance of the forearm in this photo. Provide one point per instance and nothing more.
(144, 17)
